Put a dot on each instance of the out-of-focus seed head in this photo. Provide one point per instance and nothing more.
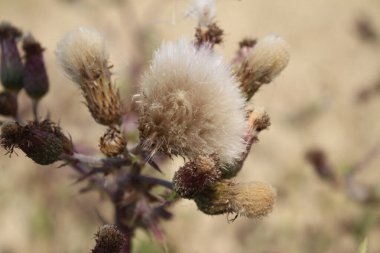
(196, 175)
(43, 142)
(36, 82)
(190, 104)
(8, 104)
(113, 142)
(10, 64)
(83, 56)
(108, 240)
(264, 62)
(203, 11)
(253, 200)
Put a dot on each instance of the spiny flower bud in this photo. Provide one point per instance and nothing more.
(10, 64)
(113, 142)
(263, 63)
(36, 81)
(195, 176)
(190, 104)
(43, 142)
(253, 200)
(83, 56)
(8, 104)
(108, 240)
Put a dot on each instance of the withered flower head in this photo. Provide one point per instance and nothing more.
(196, 175)
(113, 142)
(253, 200)
(43, 142)
(190, 104)
(264, 62)
(36, 81)
(108, 240)
(8, 104)
(83, 56)
(10, 63)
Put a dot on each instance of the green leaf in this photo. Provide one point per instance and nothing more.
(363, 247)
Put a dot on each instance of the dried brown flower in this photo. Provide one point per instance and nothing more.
(113, 142)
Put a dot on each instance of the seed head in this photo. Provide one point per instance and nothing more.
(36, 81)
(263, 63)
(43, 142)
(190, 104)
(113, 142)
(253, 200)
(83, 56)
(8, 104)
(195, 176)
(204, 11)
(10, 63)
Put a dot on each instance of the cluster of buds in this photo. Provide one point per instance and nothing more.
(16, 74)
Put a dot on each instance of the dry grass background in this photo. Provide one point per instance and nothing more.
(311, 103)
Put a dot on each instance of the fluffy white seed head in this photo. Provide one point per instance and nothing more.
(204, 11)
(190, 104)
(83, 56)
(268, 58)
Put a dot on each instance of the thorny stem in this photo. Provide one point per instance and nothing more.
(155, 181)
(98, 162)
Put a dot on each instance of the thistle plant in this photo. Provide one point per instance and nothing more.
(191, 103)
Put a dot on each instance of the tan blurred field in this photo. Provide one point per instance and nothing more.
(311, 104)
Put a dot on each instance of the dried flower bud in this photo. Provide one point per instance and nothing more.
(263, 63)
(8, 104)
(258, 120)
(321, 165)
(195, 176)
(43, 142)
(84, 58)
(113, 142)
(108, 240)
(253, 200)
(36, 81)
(10, 64)
(210, 35)
(190, 104)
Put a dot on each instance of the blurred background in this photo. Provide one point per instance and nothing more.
(328, 97)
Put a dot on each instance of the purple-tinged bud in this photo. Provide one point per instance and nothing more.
(8, 104)
(108, 240)
(36, 82)
(11, 64)
(196, 175)
(43, 142)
